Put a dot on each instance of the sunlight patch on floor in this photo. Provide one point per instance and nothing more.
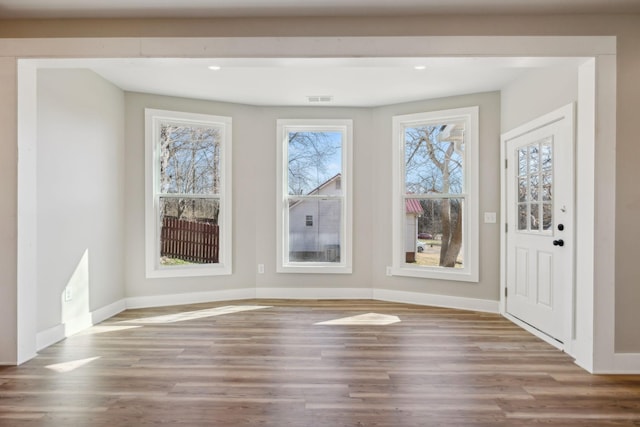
(363, 319)
(70, 366)
(199, 314)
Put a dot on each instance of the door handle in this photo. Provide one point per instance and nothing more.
(558, 242)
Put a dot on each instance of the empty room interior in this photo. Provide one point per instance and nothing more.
(269, 214)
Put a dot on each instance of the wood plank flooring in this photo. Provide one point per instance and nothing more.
(207, 365)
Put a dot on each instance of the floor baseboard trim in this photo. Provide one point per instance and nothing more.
(435, 300)
(108, 311)
(624, 363)
(314, 293)
(49, 336)
(190, 298)
(59, 332)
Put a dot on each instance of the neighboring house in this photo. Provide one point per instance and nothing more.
(413, 210)
(314, 225)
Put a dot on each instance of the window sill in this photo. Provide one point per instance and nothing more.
(188, 271)
(314, 268)
(436, 273)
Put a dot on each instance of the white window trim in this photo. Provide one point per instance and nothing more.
(283, 265)
(153, 118)
(470, 272)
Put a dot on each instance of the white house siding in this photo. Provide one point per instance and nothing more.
(321, 240)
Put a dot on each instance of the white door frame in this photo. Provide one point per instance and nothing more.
(567, 115)
(591, 343)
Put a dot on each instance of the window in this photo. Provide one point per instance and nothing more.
(535, 187)
(188, 197)
(314, 193)
(435, 209)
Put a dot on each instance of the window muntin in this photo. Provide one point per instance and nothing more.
(315, 212)
(188, 202)
(436, 195)
(535, 187)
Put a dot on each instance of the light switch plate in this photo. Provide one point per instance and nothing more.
(490, 217)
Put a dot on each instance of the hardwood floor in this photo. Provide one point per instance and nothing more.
(272, 365)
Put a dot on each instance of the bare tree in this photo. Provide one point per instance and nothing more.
(433, 165)
(309, 157)
(189, 165)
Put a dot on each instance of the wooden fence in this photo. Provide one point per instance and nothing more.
(191, 241)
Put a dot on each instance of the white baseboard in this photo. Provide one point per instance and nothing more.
(190, 298)
(59, 332)
(77, 324)
(314, 293)
(108, 311)
(624, 363)
(435, 300)
(49, 337)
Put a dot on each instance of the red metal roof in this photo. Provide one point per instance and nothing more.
(413, 206)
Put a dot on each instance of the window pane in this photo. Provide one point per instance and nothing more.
(523, 161)
(534, 216)
(433, 232)
(535, 187)
(546, 156)
(189, 159)
(522, 216)
(547, 185)
(314, 162)
(433, 157)
(534, 183)
(522, 189)
(547, 216)
(189, 231)
(534, 158)
(320, 241)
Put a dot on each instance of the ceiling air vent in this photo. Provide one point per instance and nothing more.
(319, 98)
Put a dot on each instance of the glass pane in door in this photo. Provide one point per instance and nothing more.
(535, 186)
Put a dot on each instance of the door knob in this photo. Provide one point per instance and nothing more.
(559, 242)
(560, 227)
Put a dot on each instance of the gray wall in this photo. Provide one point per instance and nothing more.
(254, 192)
(521, 100)
(489, 198)
(254, 195)
(80, 199)
(246, 134)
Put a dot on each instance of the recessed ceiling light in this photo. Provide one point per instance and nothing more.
(420, 67)
(214, 67)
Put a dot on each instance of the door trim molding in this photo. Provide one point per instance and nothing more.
(568, 112)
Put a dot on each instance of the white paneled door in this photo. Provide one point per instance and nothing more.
(540, 222)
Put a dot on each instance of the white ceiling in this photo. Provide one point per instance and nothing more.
(290, 81)
(261, 8)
